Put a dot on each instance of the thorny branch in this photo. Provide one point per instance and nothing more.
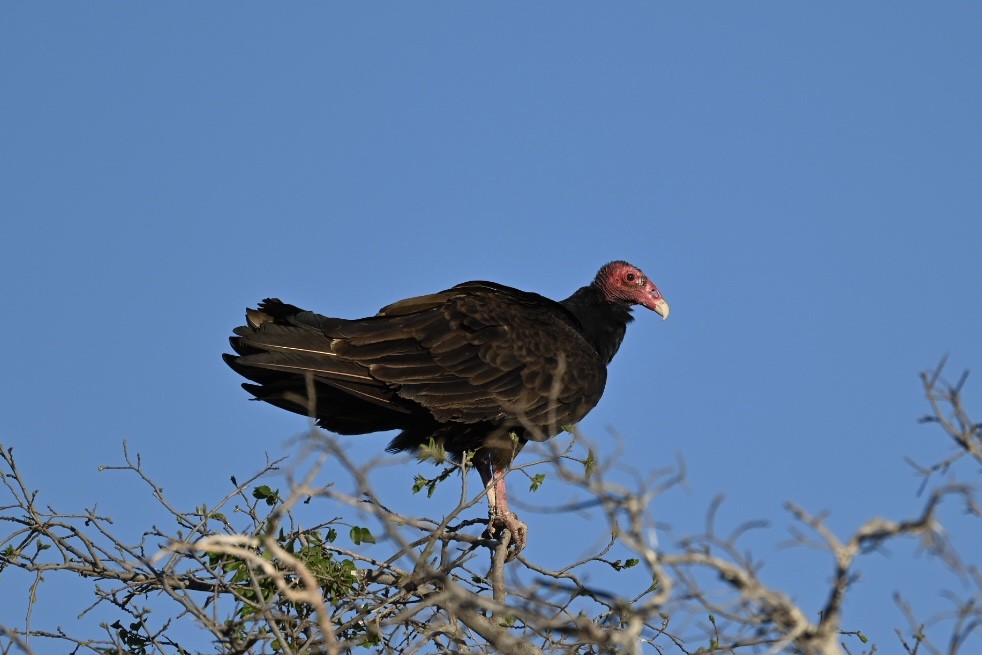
(260, 571)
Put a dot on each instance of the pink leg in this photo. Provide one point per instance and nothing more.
(501, 518)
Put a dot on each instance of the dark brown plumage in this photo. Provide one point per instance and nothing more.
(469, 367)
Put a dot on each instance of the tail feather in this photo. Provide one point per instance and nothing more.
(334, 409)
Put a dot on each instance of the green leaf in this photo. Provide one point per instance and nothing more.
(361, 535)
(631, 562)
(537, 481)
(433, 451)
(508, 622)
(266, 494)
(589, 465)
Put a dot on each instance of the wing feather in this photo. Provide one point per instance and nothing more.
(477, 353)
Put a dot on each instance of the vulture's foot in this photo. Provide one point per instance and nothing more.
(498, 523)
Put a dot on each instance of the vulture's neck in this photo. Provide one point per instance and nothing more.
(603, 323)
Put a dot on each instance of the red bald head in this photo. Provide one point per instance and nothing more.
(623, 283)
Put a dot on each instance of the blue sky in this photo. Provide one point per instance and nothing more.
(803, 181)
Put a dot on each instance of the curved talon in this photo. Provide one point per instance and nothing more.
(518, 529)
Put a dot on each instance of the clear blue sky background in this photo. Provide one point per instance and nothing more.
(803, 181)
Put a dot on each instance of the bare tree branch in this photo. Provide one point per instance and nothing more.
(259, 570)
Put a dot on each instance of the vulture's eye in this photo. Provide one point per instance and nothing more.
(630, 277)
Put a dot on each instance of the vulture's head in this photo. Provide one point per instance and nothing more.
(621, 282)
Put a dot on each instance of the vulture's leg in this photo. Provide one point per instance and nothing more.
(499, 516)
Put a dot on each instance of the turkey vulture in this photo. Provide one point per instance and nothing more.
(481, 367)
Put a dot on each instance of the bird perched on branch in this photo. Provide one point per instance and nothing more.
(480, 367)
